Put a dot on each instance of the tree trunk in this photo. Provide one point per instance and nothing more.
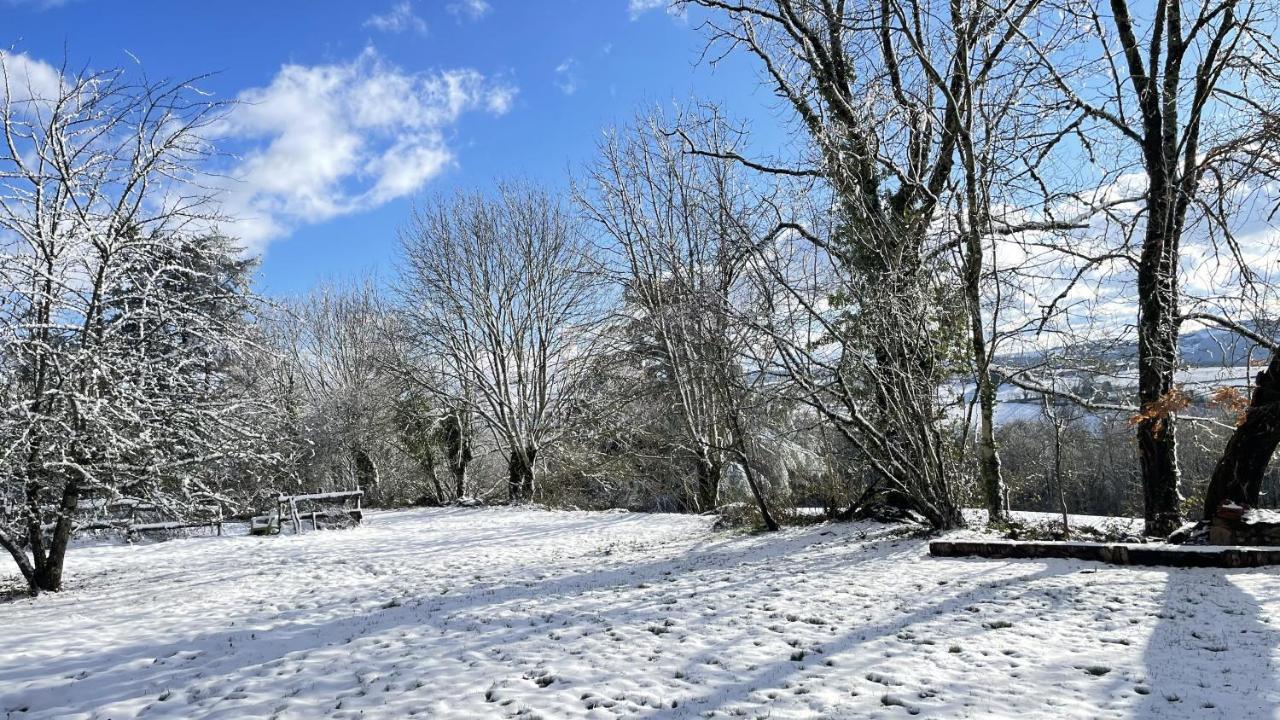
(1239, 473)
(709, 473)
(1158, 321)
(976, 211)
(366, 470)
(520, 474)
(1057, 423)
(997, 500)
(459, 470)
(532, 455)
(754, 484)
(23, 562)
(435, 484)
(1157, 359)
(48, 575)
(740, 449)
(458, 446)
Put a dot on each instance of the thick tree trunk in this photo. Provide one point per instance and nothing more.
(1157, 431)
(1239, 473)
(520, 474)
(48, 575)
(515, 476)
(1164, 141)
(527, 490)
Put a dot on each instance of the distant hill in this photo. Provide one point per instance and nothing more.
(1206, 347)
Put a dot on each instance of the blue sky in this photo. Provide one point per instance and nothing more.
(357, 107)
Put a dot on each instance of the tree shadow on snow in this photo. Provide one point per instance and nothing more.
(147, 668)
(957, 605)
(1212, 651)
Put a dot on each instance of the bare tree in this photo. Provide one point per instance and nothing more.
(885, 93)
(335, 340)
(436, 407)
(121, 313)
(673, 221)
(1188, 103)
(500, 288)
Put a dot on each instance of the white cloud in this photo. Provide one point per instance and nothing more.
(567, 76)
(500, 99)
(473, 9)
(400, 18)
(28, 78)
(639, 7)
(38, 4)
(329, 140)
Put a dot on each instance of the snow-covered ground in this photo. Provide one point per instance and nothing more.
(477, 613)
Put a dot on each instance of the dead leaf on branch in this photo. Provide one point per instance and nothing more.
(1168, 405)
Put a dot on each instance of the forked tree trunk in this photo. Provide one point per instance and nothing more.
(1164, 139)
(1239, 473)
(435, 484)
(48, 569)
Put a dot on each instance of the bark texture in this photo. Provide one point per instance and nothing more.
(1239, 473)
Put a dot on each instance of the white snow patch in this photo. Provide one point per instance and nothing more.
(494, 612)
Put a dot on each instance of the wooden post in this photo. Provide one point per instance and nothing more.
(293, 512)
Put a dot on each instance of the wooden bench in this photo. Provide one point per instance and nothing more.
(316, 507)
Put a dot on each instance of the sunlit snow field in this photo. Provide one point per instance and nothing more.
(477, 613)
